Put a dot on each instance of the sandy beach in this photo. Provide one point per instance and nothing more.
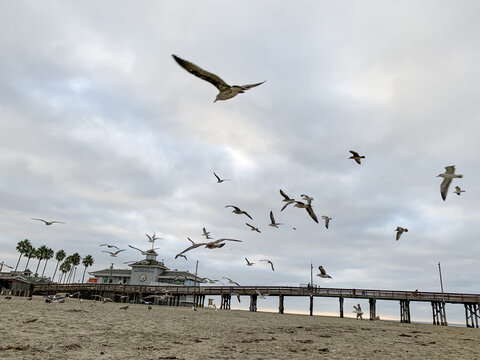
(73, 330)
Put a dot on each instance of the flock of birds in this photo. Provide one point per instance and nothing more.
(226, 92)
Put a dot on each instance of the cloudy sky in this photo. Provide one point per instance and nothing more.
(101, 129)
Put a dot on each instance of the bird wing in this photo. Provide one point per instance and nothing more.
(149, 237)
(190, 248)
(272, 219)
(444, 187)
(217, 177)
(133, 247)
(223, 239)
(286, 197)
(39, 220)
(233, 206)
(249, 86)
(399, 233)
(311, 213)
(251, 226)
(57, 222)
(108, 252)
(244, 212)
(322, 270)
(354, 153)
(202, 74)
(288, 203)
(116, 252)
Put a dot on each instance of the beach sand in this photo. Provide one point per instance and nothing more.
(73, 330)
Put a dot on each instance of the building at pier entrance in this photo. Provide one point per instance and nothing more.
(148, 271)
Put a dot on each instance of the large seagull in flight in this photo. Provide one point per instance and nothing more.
(225, 91)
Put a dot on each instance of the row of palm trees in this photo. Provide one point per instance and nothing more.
(69, 265)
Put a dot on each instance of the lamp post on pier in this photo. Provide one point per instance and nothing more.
(441, 282)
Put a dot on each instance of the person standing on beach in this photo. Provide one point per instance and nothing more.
(359, 311)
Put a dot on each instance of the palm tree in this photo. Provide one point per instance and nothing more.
(40, 255)
(47, 256)
(30, 252)
(75, 259)
(64, 268)
(59, 256)
(22, 247)
(87, 261)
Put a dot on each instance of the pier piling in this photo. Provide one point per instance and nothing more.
(373, 312)
(405, 311)
(472, 314)
(280, 304)
(253, 302)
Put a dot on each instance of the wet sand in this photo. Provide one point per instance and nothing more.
(38, 330)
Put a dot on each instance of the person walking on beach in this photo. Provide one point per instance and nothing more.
(358, 311)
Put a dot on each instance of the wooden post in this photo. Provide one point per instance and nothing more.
(225, 302)
(253, 302)
(341, 306)
(311, 305)
(472, 314)
(372, 308)
(405, 311)
(439, 315)
(280, 304)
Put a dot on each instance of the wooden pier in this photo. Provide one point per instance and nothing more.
(134, 293)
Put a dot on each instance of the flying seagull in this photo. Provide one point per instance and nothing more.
(152, 238)
(110, 246)
(273, 223)
(323, 273)
(271, 263)
(142, 251)
(355, 156)
(447, 179)
(308, 208)
(400, 231)
(206, 234)
(230, 281)
(253, 228)
(193, 246)
(288, 200)
(48, 223)
(225, 91)
(327, 220)
(237, 210)
(113, 254)
(219, 181)
(248, 262)
(458, 191)
(260, 295)
(218, 243)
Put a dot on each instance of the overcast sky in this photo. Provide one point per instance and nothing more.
(101, 129)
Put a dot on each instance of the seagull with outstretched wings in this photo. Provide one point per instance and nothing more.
(48, 223)
(225, 91)
(447, 179)
(113, 254)
(356, 156)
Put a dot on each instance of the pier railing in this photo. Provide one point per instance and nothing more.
(265, 290)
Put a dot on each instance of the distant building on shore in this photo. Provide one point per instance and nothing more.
(148, 271)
